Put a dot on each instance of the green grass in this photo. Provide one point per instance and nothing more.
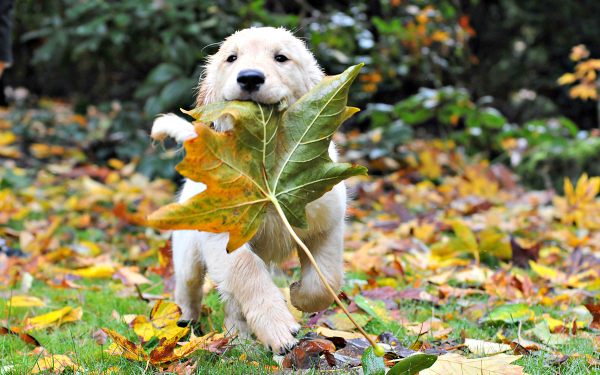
(75, 339)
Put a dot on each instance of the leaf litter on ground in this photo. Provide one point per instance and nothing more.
(520, 267)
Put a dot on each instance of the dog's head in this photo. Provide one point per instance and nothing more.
(265, 65)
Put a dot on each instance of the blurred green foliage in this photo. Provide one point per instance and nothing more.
(481, 72)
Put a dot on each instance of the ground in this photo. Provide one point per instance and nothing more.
(441, 250)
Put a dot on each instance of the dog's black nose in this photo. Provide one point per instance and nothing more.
(250, 80)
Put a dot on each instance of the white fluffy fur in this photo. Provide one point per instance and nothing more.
(254, 302)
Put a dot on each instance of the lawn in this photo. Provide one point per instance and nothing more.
(452, 247)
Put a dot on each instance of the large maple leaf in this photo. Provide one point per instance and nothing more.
(273, 155)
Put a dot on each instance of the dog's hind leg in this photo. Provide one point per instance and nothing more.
(242, 277)
(310, 294)
(189, 274)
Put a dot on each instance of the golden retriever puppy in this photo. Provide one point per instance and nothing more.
(265, 65)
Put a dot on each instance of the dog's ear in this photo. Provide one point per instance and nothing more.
(314, 73)
(202, 94)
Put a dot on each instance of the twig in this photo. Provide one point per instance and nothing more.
(376, 347)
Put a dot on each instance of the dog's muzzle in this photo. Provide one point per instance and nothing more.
(250, 80)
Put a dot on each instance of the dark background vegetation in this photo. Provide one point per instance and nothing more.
(482, 72)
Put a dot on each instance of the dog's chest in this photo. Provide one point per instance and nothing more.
(273, 242)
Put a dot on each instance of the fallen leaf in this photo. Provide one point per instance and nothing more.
(162, 324)
(94, 272)
(129, 276)
(54, 318)
(374, 308)
(453, 364)
(56, 363)
(125, 348)
(481, 347)
(326, 332)
(372, 364)
(25, 301)
(542, 331)
(342, 322)
(510, 314)
(413, 364)
(306, 353)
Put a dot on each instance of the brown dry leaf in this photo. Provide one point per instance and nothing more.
(454, 364)
(27, 338)
(481, 347)
(125, 348)
(592, 361)
(130, 276)
(306, 353)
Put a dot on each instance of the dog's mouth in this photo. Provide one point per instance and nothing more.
(256, 101)
(255, 97)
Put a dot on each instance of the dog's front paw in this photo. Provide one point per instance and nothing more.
(277, 331)
(311, 299)
(280, 340)
(284, 349)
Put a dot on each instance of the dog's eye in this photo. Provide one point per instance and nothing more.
(281, 58)
(232, 58)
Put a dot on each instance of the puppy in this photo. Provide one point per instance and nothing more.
(265, 65)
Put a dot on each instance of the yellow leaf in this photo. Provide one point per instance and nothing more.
(25, 301)
(547, 272)
(7, 138)
(56, 363)
(116, 164)
(66, 314)
(429, 167)
(439, 36)
(94, 272)
(162, 324)
(93, 248)
(424, 231)
(95, 187)
(160, 355)
(74, 315)
(567, 78)
(495, 243)
(466, 236)
(552, 323)
(345, 335)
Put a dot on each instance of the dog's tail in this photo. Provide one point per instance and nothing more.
(172, 126)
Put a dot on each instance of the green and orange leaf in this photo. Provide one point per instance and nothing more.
(273, 154)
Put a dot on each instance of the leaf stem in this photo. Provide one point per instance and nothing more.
(314, 263)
